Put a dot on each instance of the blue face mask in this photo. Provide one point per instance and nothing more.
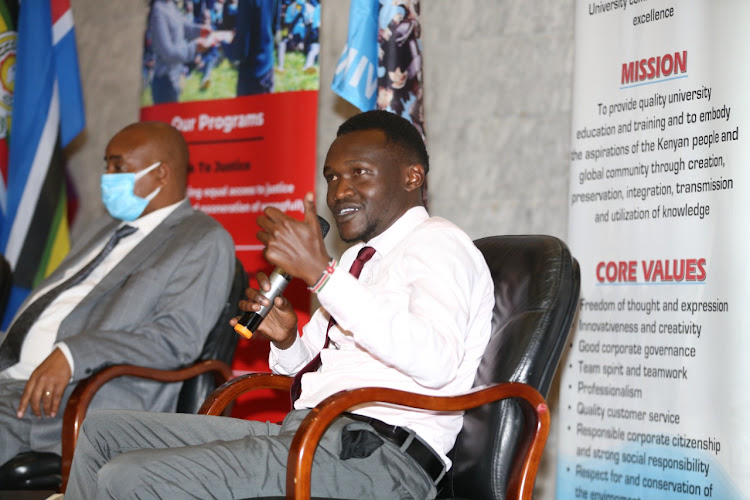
(118, 195)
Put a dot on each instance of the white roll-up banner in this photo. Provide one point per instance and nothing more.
(654, 396)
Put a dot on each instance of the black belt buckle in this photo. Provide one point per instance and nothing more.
(417, 449)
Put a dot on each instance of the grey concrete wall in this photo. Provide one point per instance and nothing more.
(110, 45)
(497, 90)
(498, 77)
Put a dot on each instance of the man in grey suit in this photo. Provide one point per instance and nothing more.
(150, 299)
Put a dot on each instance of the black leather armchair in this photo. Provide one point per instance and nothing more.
(537, 285)
(497, 452)
(49, 471)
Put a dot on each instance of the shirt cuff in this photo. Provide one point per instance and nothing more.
(66, 352)
(288, 361)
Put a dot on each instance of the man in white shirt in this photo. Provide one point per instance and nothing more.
(150, 300)
(418, 318)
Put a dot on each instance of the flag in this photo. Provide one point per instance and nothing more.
(8, 20)
(356, 78)
(47, 114)
(381, 65)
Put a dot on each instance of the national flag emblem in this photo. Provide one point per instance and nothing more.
(43, 90)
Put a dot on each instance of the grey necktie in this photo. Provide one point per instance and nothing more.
(10, 350)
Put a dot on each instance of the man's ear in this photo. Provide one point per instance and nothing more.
(414, 177)
(164, 173)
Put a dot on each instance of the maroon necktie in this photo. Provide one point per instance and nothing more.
(365, 254)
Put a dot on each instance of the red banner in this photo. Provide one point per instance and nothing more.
(240, 80)
(247, 153)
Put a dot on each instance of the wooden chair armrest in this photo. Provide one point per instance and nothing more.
(223, 395)
(299, 465)
(78, 404)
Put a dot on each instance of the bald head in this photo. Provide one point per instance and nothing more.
(166, 141)
(140, 145)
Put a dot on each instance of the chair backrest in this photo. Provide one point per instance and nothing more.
(537, 284)
(220, 344)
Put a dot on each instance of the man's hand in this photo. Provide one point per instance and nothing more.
(280, 325)
(45, 387)
(202, 44)
(295, 246)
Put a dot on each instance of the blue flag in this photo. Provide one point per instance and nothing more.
(356, 78)
(381, 66)
(47, 114)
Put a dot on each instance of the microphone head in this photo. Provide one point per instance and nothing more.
(324, 226)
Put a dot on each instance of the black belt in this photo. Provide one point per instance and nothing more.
(425, 456)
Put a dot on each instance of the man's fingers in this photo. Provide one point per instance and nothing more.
(263, 237)
(46, 402)
(270, 217)
(280, 302)
(263, 282)
(311, 215)
(256, 296)
(24, 401)
(35, 400)
(32, 395)
(272, 213)
(249, 306)
(52, 402)
(46, 385)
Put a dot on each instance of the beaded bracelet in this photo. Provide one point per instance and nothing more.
(323, 277)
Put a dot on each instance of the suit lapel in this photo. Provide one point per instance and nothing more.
(75, 256)
(135, 258)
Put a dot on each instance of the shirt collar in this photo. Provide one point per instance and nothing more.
(388, 239)
(148, 222)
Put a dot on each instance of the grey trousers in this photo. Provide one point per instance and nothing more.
(30, 432)
(142, 455)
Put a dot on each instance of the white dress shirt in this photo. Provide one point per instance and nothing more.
(40, 341)
(418, 319)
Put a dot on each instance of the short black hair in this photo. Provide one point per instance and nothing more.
(398, 131)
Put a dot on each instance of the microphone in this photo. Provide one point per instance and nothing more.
(250, 321)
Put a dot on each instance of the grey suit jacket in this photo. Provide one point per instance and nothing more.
(155, 308)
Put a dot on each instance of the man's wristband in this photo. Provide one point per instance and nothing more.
(327, 272)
